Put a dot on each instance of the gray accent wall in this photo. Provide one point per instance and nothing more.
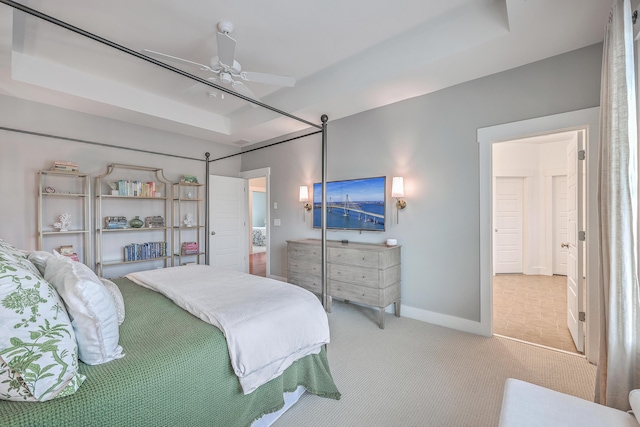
(431, 142)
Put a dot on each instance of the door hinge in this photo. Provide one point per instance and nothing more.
(582, 155)
(581, 316)
(582, 236)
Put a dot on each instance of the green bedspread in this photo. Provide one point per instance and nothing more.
(176, 372)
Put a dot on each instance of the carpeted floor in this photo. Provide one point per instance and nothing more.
(417, 374)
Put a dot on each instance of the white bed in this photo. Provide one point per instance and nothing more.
(268, 324)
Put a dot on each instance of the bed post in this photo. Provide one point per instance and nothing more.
(206, 209)
(325, 302)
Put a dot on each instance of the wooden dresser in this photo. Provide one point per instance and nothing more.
(360, 272)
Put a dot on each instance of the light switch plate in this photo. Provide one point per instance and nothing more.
(276, 223)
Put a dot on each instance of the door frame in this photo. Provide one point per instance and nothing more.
(262, 173)
(588, 120)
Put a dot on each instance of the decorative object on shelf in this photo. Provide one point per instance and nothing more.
(189, 248)
(114, 188)
(154, 221)
(136, 222)
(49, 190)
(115, 222)
(188, 220)
(64, 166)
(392, 242)
(397, 191)
(64, 222)
(189, 195)
(189, 178)
(65, 249)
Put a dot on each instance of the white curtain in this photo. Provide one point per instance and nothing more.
(618, 365)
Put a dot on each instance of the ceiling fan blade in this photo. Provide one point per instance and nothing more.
(226, 49)
(160, 55)
(243, 90)
(271, 79)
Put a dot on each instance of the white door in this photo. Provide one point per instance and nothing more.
(507, 241)
(228, 246)
(575, 253)
(559, 217)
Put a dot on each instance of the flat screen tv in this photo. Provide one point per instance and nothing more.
(354, 204)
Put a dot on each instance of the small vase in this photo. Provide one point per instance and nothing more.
(136, 222)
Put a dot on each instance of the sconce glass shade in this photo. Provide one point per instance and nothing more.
(304, 193)
(397, 187)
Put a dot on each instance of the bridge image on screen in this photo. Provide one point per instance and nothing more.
(355, 204)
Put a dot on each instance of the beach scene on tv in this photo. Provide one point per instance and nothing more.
(355, 204)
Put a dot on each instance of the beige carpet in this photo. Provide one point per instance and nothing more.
(416, 374)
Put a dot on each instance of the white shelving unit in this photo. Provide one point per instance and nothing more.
(187, 201)
(140, 191)
(65, 192)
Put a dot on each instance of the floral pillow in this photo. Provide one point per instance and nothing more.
(13, 255)
(38, 351)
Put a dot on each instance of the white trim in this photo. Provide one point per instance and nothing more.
(587, 119)
(445, 320)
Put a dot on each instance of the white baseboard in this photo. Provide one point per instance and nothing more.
(445, 320)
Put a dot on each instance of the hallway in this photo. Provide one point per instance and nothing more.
(533, 309)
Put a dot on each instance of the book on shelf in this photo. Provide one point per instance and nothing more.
(189, 248)
(145, 251)
(136, 188)
(65, 166)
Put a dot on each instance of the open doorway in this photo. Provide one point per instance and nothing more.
(534, 218)
(258, 182)
(530, 216)
(258, 220)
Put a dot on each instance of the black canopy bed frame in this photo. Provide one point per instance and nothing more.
(315, 129)
(319, 128)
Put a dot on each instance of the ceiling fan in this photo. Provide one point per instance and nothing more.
(226, 69)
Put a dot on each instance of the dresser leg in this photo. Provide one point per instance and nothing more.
(381, 317)
(396, 308)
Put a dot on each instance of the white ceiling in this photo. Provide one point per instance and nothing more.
(347, 56)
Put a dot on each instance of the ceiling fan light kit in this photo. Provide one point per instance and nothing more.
(228, 70)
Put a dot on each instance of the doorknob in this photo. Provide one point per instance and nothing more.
(213, 233)
(564, 245)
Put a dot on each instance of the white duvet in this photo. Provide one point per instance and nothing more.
(268, 324)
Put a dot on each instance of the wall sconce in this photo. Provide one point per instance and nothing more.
(304, 198)
(397, 191)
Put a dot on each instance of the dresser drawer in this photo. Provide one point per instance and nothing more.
(304, 251)
(310, 283)
(308, 267)
(350, 274)
(353, 257)
(355, 293)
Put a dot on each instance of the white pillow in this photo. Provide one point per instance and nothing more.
(91, 309)
(117, 298)
(39, 259)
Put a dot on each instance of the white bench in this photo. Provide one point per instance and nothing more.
(528, 405)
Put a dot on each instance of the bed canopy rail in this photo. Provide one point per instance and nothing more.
(322, 128)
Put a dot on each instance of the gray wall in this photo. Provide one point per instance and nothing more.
(22, 155)
(431, 141)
